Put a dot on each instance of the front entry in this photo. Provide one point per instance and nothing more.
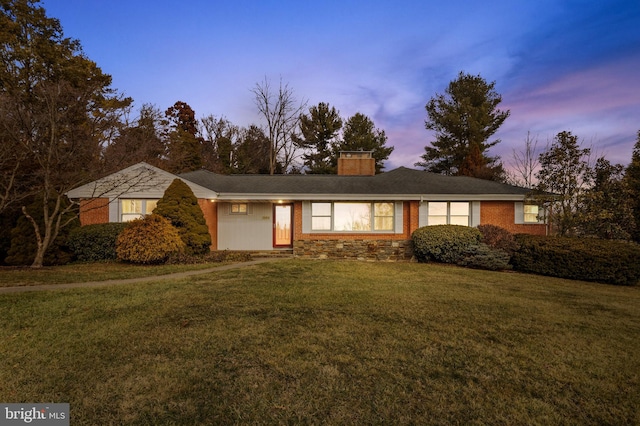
(282, 218)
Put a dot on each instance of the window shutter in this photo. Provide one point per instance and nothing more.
(475, 213)
(519, 213)
(306, 217)
(399, 217)
(114, 210)
(423, 215)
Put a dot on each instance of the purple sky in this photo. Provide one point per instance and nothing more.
(558, 64)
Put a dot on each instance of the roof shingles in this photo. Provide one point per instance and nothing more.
(400, 181)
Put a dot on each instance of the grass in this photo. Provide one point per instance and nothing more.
(83, 272)
(329, 342)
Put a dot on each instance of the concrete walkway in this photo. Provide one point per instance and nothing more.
(177, 275)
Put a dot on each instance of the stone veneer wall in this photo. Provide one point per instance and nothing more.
(353, 249)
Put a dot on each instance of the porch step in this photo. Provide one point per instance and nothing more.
(273, 253)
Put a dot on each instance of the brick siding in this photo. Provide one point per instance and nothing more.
(502, 214)
(210, 212)
(94, 211)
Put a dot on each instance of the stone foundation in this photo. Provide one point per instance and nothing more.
(380, 250)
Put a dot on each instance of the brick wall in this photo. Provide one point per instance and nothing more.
(94, 211)
(210, 211)
(502, 214)
(356, 166)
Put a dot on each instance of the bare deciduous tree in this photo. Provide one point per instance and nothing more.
(525, 163)
(282, 115)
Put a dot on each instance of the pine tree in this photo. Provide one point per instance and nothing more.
(319, 130)
(184, 146)
(464, 119)
(360, 134)
(180, 206)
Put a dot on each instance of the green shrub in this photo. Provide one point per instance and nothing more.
(586, 259)
(180, 206)
(443, 243)
(498, 238)
(483, 256)
(93, 243)
(23, 238)
(151, 239)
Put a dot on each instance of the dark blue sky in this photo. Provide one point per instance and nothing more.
(559, 65)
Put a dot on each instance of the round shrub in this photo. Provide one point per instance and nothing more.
(482, 256)
(180, 206)
(498, 238)
(443, 243)
(92, 243)
(149, 240)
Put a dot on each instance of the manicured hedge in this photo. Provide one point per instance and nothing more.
(587, 259)
(443, 243)
(93, 243)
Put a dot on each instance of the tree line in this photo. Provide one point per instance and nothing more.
(63, 125)
(178, 142)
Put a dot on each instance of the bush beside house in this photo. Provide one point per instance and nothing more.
(494, 248)
(151, 239)
(443, 243)
(93, 243)
(586, 259)
(180, 206)
(460, 245)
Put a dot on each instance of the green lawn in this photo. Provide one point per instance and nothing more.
(329, 342)
(83, 272)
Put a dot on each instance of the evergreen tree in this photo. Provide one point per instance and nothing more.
(632, 178)
(360, 134)
(319, 130)
(184, 147)
(564, 172)
(464, 119)
(180, 206)
(251, 155)
(606, 207)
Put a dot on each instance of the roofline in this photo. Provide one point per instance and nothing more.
(91, 190)
(369, 197)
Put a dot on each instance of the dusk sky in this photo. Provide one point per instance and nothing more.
(558, 64)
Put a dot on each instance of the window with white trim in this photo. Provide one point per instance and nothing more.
(321, 216)
(449, 213)
(135, 208)
(531, 213)
(353, 216)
